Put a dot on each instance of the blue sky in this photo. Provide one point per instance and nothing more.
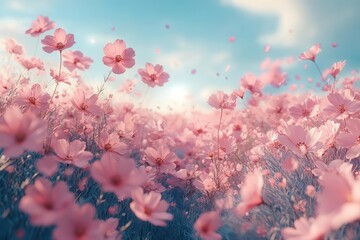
(198, 37)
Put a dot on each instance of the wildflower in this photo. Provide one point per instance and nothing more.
(153, 75)
(58, 42)
(118, 57)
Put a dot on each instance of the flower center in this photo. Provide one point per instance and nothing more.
(159, 161)
(32, 100)
(60, 45)
(302, 146)
(147, 211)
(341, 108)
(80, 231)
(153, 77)
(76, 60)
(118, 58)
(107, 146)
(205, 229)
(48, 205)
(20, 137)
(305, 113)
(83, 107)
(358, 139)
(116, 180)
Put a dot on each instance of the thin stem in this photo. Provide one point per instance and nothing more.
(317, 67)
(59, 76)
(218, 133)
(333, 86)
(101, 89)
(217, 180)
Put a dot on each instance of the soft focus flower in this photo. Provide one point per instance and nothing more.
(251, 192)
(86, 104)
(72, 153)
(33, 98)
(153, 75)
(13, 47)
(207, 224)
(299, 140)
(118, 57)
(63, 77)
(78, 223)
(58, 42)
(108, 229)
(311, 53)
(337, 68)
(111, 145)
(309, 229)
(149, 207)
(117, 175)
(30, 63)
(342, 105)
(21, 131)
(40, 25)
(162, 158)
(251, 83)
(76, 60)
(45, 203)
(351, 139)
(221, 100)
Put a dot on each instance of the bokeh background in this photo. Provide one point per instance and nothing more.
(205, 45)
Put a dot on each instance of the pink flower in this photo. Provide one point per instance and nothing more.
(310, 229)
(118, 57)
(111, 145)
(58, 42)
(13, 48)
(20, 132)
(161, 158)
(108, 229)
(30, 63)
(250, 82)
(338, 166)
(336, 68)
(251, 192)
(117, 175)
(33, 98)
(78, 223)
(149, 207)
(341, 105)
(221, 100)
(45, 203)
(351, 139)
(40, 25)
(207, 224)
(76, 60)
(153, 75)
(299, 140)
(339, 201)
(71, 153)
(308, 109)
(63, 77)
(85, 104)
(311, 53)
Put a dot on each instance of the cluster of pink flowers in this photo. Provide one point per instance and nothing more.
(242, 162)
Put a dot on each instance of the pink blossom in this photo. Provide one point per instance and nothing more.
(13, 47)
(33, 98)
(341, 105)
(108, 229)
(117, 175)
(299, 140)
(63, 77)
(337, 68)
(76, 60)
(311, 53)
(338, 166)
(351, 139)
(153, 75)
(48, 165)
(221, 100)
(40, 25)
(58, 42)
(86, 104)
(45, 203)
(207, 224)
(118, 57)
(30, 63)
(339, 201)
(149, 207)
(78, 223)
(111, 145)
(72, 153)
(251, 192)
(20, 132)
(251, 83)
(161, 158)
(310, 229)
(308, 109)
